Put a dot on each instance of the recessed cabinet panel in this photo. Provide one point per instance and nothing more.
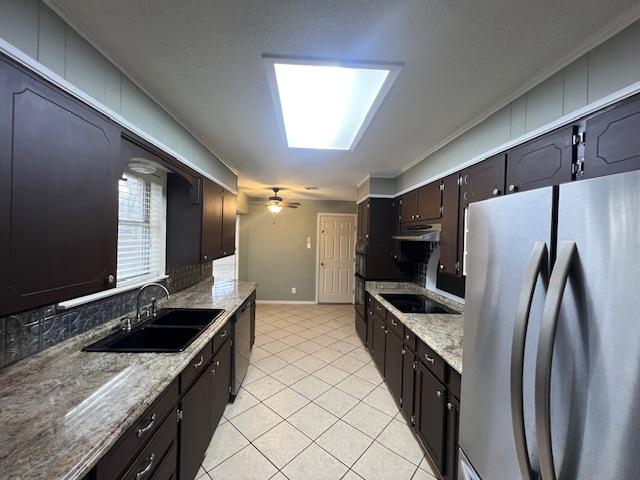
(612, 143)
(542, 162)
(228, 223)
(430, 420)
(211, 220)
(59, 171)
(379, 342)
(429, 201)
(409, 206)
(449, 235)
(393, 365)
(483, 180)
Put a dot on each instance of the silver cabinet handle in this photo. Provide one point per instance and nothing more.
(212, 371)
(408, 337)
(147, 427)
(370, 312)
(513, 188)
(223, 334)
(217, 363)
(496, 191)
(548, 327)
(432, 361)
(538, 265)
(438, 393)
(394, 323)
(418, 216)
(199, 363)
(378, 307)
(111, 279)
(146, 469)
(449, 406)
(441, 266)
(381, 327)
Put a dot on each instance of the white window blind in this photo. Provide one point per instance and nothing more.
(141, 232)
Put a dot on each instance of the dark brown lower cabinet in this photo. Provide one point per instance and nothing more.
(196, 427)
(429, 414)
(408, 382)
(221, 382)
(393, 364)
(379, 342)
(453, 422)
(252, 336)
(361, 328)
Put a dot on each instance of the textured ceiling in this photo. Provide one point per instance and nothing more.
(201, 60)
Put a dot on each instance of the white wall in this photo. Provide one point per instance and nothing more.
(609, 67)
(34, 29)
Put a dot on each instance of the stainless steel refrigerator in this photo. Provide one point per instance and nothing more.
(551, 373)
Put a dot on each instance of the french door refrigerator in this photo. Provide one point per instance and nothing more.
(551, 381)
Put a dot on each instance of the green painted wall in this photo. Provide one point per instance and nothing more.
(613, 65)
(273, 248)
(33, 28)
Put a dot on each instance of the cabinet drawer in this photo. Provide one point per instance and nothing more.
(119, 457)
(168, 468)
(395, 325)
(149, 459)
(380, 310)
(222, 334)
(454, 382)
(431, 360)
(196, 366)
(409, 339)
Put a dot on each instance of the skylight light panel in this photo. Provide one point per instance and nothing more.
(326, 106)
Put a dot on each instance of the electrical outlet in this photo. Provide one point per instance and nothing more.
(293, 290)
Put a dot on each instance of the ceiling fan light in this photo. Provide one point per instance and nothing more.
(275, 208)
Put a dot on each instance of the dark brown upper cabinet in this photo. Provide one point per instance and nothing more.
(59, 171)
(228, 223)
(483, 180)
(194, 221)
(421, 204)
(542, 162)
(449, 252)
(612, 143)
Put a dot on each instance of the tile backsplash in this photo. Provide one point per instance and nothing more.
(27, 333)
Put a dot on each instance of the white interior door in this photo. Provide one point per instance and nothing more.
(336, 258)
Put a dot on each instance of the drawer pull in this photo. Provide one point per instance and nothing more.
(146, 469)
(213, 371)
(381, 327)
(394, 323)
(408, 336)
(449, 406)
(378, 307)
(432, 361)
(199, 363)
(147, 427)
(439, 393)
(223, 334)
(217, 363)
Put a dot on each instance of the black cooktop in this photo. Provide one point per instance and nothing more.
(409, 303)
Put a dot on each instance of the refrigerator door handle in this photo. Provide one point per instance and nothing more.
(550, 314)
(538, 265)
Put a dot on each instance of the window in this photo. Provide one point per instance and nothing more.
(227, 268)
(141, 228)
(327, 105)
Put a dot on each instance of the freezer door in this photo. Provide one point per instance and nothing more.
(595, 369)
(502, 236)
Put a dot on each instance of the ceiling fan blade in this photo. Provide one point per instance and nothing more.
(292, 204)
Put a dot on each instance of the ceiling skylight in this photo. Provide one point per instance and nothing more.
(327, 106)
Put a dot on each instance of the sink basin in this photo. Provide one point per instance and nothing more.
(172, 330)
(186, 317)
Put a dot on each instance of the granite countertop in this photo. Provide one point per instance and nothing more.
(442, 332)
(62, 409)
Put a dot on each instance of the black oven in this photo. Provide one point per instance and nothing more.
(359, 295)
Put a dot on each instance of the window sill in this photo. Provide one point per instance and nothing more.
(106, 293)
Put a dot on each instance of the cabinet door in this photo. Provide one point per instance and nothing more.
(195, 427)
(409, 206)
(483, 180)
(252, 335)
(449, 235)
(366, 207)
(542, 162)
(408, 382)
(228, 223)
(393, 365)
(361, 328)
(359, 222)
(453, 423)
(59, 171)
(612, 143)
(379, 342)
(396, 217)
(429, 201)
(370, 328)
(430, 421)
(211, 221)
(220, 371)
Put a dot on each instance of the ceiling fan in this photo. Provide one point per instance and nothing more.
(275, 203)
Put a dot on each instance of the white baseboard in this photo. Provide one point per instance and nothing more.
(288, 302)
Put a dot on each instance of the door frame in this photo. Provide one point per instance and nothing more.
(355, 232)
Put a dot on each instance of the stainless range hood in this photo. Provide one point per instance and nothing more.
(423, 233)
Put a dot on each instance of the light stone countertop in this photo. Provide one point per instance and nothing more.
(442, 332)
(62, 409)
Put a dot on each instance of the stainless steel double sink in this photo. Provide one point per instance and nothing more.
(171, 330)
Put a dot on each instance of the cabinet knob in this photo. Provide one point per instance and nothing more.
(111, 279)
(381, 327)
(496, 191)
(418, 216)
(449, 406)
(439, 393)
(205, 257)
(212, 371)
(513, 188)
(441, 266)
